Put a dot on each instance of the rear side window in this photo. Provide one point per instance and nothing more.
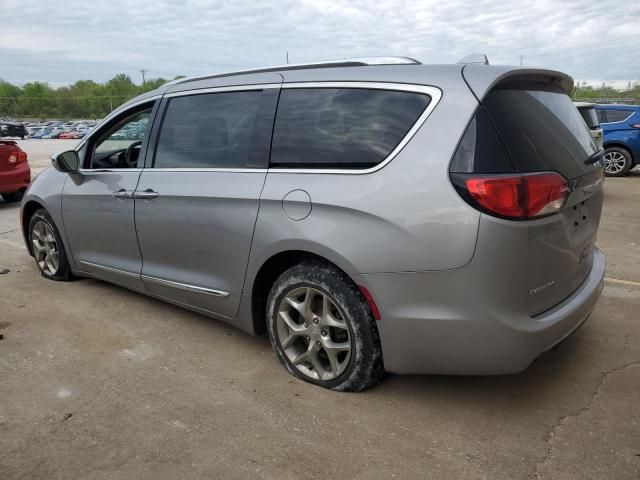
(341, 127)
(618, 115)
(602, 118)
(217, 130)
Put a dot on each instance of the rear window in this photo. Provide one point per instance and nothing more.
(589, 116)
(617, 115)
(341, 127)
(541, 130)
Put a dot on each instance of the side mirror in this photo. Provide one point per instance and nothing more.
(67, 162)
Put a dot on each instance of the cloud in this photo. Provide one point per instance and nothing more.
(96, 40)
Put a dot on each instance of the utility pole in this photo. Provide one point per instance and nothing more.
(144, 82)
(287, 57)
(521, 60)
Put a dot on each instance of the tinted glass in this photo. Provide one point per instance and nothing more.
(618, 115)
(601, 116)
(215, 130)
(541, 130)
(341, 127)
(589, 116)
(481, 150)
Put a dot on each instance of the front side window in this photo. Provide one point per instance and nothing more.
(341, 127)
(216, 130)
(119, 146)
(618, 115)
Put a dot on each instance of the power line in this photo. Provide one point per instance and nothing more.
(144, 82)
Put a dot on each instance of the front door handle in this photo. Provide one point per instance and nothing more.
(122, 194)
(148, 194)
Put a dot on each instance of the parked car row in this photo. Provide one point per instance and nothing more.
(59, 129)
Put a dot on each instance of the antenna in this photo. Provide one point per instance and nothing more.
(480, 58)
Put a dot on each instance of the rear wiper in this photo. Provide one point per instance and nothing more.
(594, 157)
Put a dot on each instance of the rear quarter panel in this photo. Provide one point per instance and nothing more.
(404, 217)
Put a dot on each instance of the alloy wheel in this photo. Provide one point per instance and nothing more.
(615, 162)
(313, 333)
(45, 248)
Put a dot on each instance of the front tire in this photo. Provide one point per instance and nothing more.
(617, 162)
(322, 329)
(47, 247)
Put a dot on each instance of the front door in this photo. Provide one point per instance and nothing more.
(196, 205)
(97, 202)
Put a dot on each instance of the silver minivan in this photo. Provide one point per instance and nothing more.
(370, 215)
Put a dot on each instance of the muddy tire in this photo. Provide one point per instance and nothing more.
(322, 329)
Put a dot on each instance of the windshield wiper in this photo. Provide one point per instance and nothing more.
(593, 158)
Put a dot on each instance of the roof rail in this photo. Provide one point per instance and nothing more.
(346, 62)
(474, 58)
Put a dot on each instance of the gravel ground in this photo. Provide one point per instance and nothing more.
(99, 382)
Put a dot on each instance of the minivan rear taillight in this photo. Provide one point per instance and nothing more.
(517, 197)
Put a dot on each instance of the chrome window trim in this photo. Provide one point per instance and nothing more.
(185, 286)
(204, 169)
(228, 88)
(434, 93)
(631, 112)
(115, 113)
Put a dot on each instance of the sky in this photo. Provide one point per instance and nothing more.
(595, 41)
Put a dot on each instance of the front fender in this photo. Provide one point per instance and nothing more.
(46, 192)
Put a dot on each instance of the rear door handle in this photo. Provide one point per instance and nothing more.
(147, 194)
(122, 194)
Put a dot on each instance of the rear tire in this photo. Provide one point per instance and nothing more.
(322, 329)
(47, 247)
(13, 197)
(617, 161)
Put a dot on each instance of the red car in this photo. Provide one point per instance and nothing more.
(15, 174)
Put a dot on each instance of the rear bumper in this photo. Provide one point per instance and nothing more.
(15, 179)
(433, 323)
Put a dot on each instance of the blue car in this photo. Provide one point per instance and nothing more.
(621, 126)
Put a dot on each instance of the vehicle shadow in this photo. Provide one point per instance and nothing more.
(550, 376)
(8, 205)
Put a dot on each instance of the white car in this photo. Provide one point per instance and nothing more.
(588, 112)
